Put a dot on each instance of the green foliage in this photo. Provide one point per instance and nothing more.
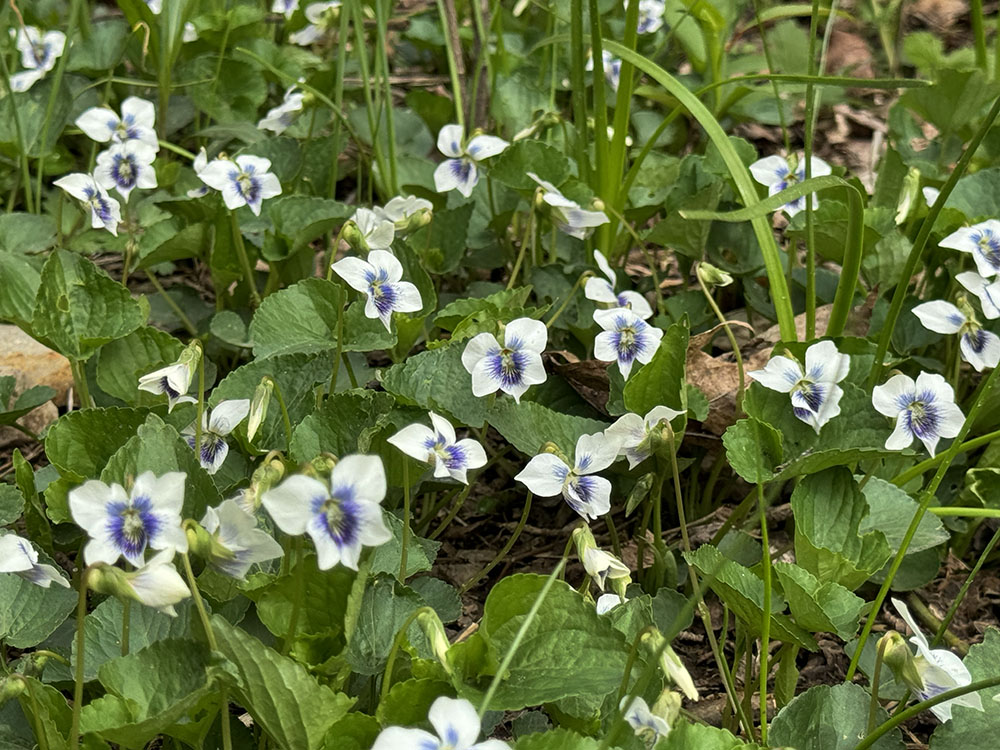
(829, 716)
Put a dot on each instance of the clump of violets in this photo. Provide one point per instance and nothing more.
(460, 171)
(777, 173)
(814, 391)
(511, 367)
(924, 410)
(548, 475)
(439, 446)
(243, 181)
(599, 290)
(380, 279)
(456, 725)
(341, 516)
(39, 53)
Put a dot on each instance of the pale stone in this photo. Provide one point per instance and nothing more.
(32, 364)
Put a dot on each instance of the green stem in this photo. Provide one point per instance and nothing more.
(503, 552)
(81, 614)
(198, 423)
(227, 741)
(979, 34)
(925, 501)
(293, 620)
(633, 655)
(949, 512)
(382, 13)
(241, 253)
(452, 512)
(950, 614)
(578, 88)
(406, 521)
(79, 370)
(521, 632)
(456, 83)
(920, 243)
(876, 676)
(917, 708)
(175, 308)
(741, 387)
(25, 170)
(569, 298)
(397, 643)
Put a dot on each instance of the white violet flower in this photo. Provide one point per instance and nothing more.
(380, 279)
(173, 380)
(983, 241)
(607, 602)
(815, 394)
(940, 670)
(567, 215)
(39, 53)
(223, 420)
(241, 543)
(279, 118)
(601, 566)
(18, 556)
(980, 348)
(547, 475)
(930, 195)
(457, 725)
(401, 208)
(126, 166)
(285, 7)
(612, 68)
(137, 123)
(157, 584)
(341, 517)
(511, 367)
(924, 409)
(376, 232)
(199, 163)
(599, 290)
(987, 291)
(105, 211)
(626, 339)
(650, 15)
(647, 726)
(440, 448)
(243, 181)
(777, 174)
(125, 525)
(634, 433)
(190, 33)
(460, 170)
(320, 17)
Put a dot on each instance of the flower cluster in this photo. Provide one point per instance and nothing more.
(39, 53)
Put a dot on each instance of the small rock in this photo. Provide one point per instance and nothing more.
(32, 364)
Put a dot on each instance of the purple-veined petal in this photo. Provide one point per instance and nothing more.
(544, 475)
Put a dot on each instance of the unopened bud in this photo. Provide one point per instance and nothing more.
(11, 687)
(353, 236)
(583, 538)
(321, 466)
(258, 406)
(670, 663)
(712, 276)
(191, 356)
(668, 706)
(205, 545)
(433, 630)
(409, 224)
(899, 658)
(107, 579)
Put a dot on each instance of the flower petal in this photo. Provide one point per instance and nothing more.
(484, 146)
(595, 453)
(290, 503)
(825, 364)
(455, 721)
(779, 374)
(940, 316)
(449, 141)
(413, 439)
(478, 347)
(365, 473)
(532, 335)
(544, 475)
(356, 272)
(98, 123)
(889, 398)
(770, 170)
(227, 414)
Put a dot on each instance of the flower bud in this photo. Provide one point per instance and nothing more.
(433, 630)
(670, 663)
(712, 276)
(354, 237)
(191, 356)
(11, 687)
(583, 538)
(899, 658)
(321, 466)
(258, 406)
(419, 218)
(204, 544)
(907, 194)
(668, 706)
